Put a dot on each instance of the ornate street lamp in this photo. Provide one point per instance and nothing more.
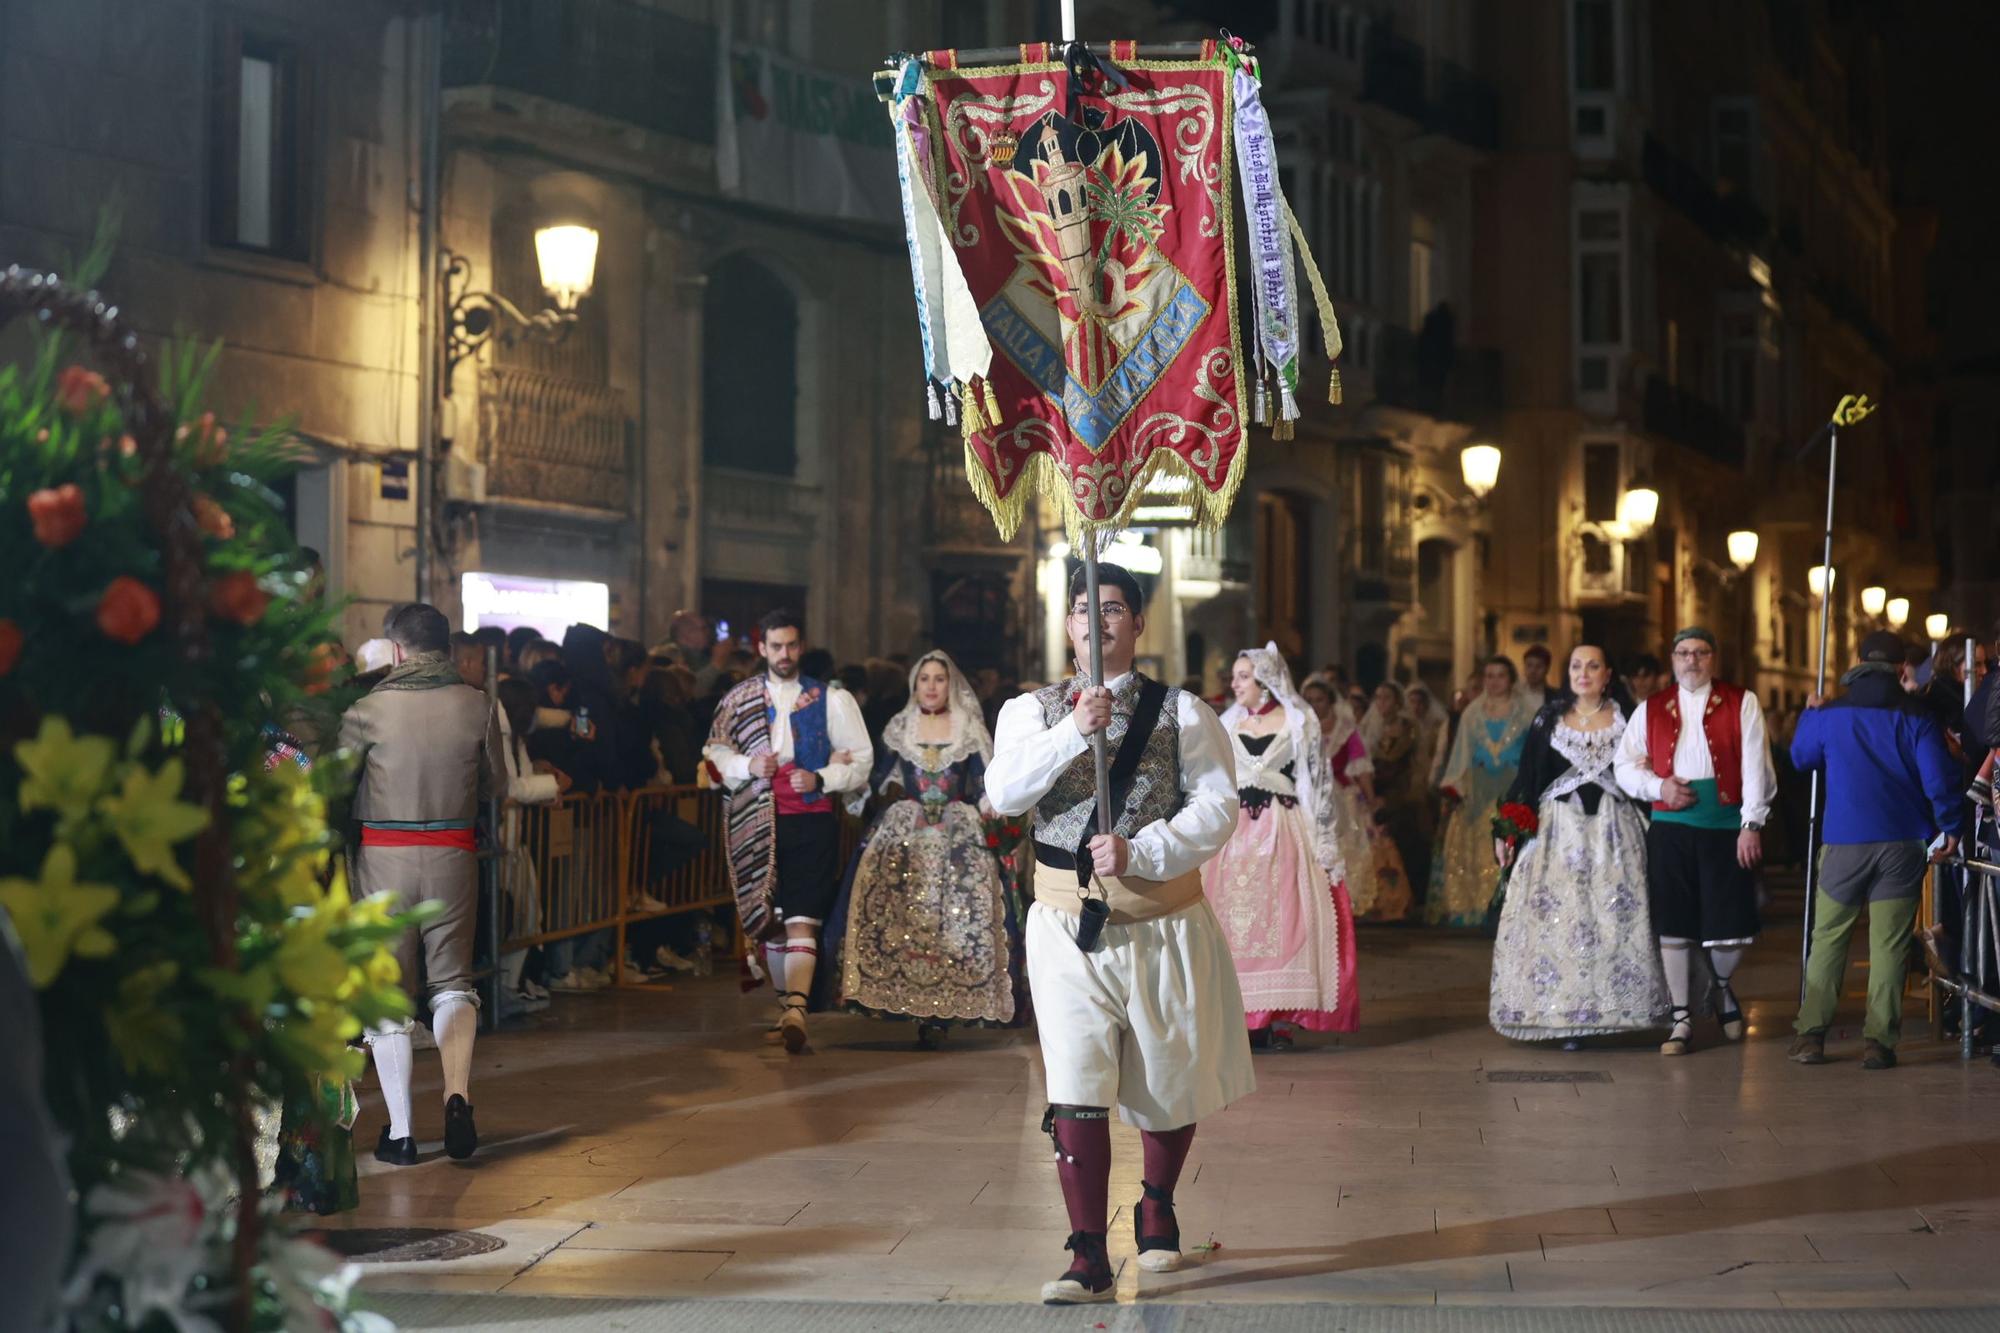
(566, 255)
(1874, 600)
(1819, 579)
(1637, 508)
(1938, 626)
(1743, 549)
(1897, 612)
(1479, 464)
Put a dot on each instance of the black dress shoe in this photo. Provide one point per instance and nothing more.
(396, 1152)
(461, 1138)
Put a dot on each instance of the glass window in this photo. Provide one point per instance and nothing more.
(1603, 479)
(1600, 282)
(1596, 37)
(749, 372)
(259, 159)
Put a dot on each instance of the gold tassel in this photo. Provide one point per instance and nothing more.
(992, 404)
(971, 419)
(1282, 429)
(1333, 388)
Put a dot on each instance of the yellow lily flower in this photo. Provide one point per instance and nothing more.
(57, 916)
(307, 964)
(149, 818)
(64, 772)
(146, 1036)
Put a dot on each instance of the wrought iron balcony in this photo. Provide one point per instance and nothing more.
(1726, 217)
(1450, 382)
(554, 441)
(626, 61)
(1692, 422)
(1462, 106)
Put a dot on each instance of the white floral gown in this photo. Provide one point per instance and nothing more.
(1575, 955)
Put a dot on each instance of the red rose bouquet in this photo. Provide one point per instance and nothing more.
(1514, 824)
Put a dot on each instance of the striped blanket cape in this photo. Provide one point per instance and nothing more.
(742, 722)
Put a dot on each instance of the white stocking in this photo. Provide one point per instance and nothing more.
(1725, 962)
(801, 958)
(455, 1024)
(774, 961)
(1675, 959)
(390, 1044)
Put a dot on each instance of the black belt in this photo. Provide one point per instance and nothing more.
(1055, 858)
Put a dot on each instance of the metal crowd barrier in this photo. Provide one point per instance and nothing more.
(1978, 938)
(585, 863)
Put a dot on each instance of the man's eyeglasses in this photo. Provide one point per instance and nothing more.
(1693, 654)
(1110, 612)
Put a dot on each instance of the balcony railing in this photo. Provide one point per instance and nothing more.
(1731, 217)
(554, 440)
(1462, 105)
(1692, 422)
(1447, 381)
(618, 59)
(766, 501)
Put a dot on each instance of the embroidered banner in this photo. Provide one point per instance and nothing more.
(1091, 220)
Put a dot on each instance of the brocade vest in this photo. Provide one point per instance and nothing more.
(1721, 722)
(1065, 812)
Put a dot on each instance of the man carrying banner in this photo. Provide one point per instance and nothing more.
(1149, 1016)
(773, 743)
(1698, 753)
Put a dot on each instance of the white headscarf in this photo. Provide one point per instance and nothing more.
(1311, 773)
(1372, 722)
(968, 723)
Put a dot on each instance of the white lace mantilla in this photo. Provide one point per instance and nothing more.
(1265, 771)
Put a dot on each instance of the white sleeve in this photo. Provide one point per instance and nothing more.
(1635, 773)
(1169, 848)
(1027, 756)
(1759, 778)
(734, 767)
(846, 729)
(524, 785)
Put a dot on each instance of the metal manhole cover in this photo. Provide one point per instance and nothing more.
(403, 1245)
(1547, 1076)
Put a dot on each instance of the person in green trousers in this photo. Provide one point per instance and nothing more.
(1890, 784)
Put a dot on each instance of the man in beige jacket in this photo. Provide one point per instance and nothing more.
(429, 744)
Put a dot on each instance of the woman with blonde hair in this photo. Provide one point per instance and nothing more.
(1477, 773)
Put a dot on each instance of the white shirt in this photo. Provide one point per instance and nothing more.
(1692, 760)
(844, 730)
(1028, 758)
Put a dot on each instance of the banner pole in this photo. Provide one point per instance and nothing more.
(1825, 630)
(1099, 754)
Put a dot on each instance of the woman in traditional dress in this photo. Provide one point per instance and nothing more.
(1277, 887)
(1391, 740)
(1353, 786)
(1484, 756)
(924, 927)
(1576, 956)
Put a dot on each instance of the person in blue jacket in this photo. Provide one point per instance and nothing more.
(1891, 784)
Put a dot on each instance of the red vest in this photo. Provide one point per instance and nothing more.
(1721, 721)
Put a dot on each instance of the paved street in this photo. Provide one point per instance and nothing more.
(649, 1146)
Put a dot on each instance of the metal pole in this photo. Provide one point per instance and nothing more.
(1825, 629)
(1099, 755)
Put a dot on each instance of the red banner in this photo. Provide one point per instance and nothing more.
(1093, 228)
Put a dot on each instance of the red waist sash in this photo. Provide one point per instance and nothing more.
(460, 838)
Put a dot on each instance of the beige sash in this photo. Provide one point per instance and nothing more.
(1131, 898)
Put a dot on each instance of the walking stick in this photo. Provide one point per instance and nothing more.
(1851, 410)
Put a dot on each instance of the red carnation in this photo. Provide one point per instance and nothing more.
(128, 611)
(58, 515)
(237, 597)
(993, 840)
(79, 391)
(1520, 816)
(326, 659)
(10, 646)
